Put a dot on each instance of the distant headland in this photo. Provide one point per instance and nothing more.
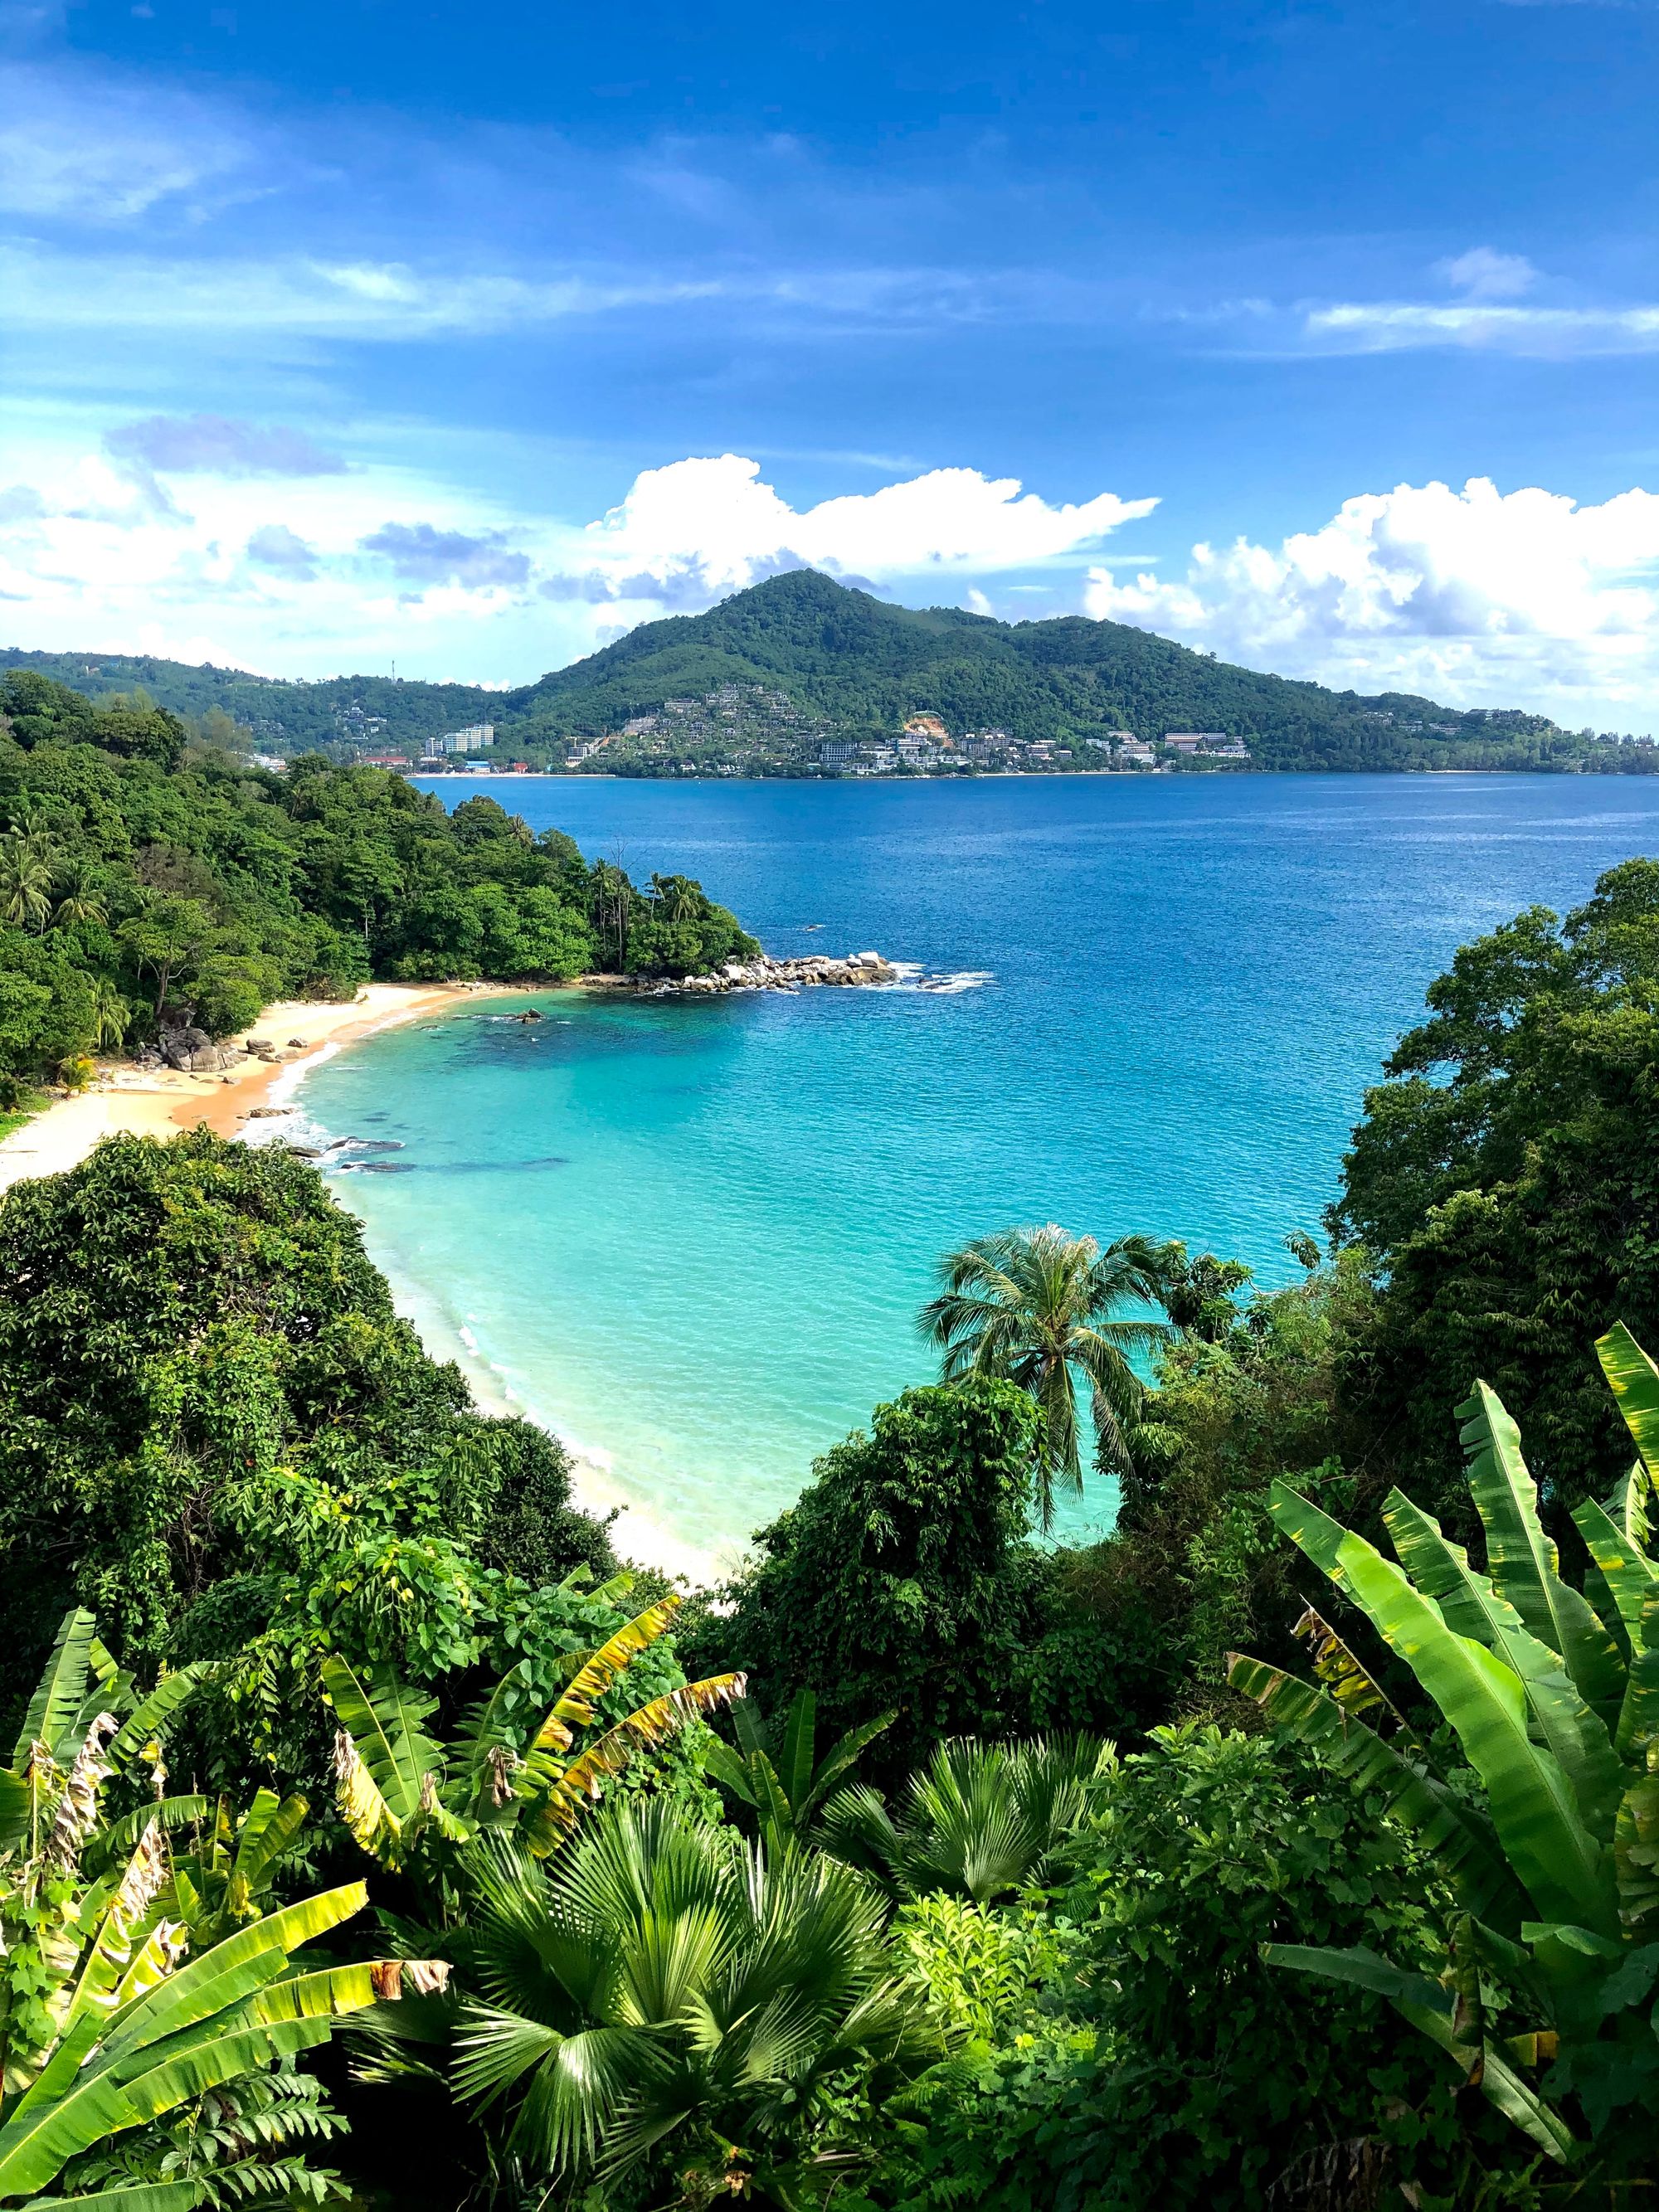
(804, 677)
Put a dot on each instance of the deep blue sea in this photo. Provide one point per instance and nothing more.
(692, 1238)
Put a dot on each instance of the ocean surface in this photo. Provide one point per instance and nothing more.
(692, 1238)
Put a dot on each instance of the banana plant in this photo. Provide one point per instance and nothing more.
(784, 1792)
(398, 1787)
(1546, 2000)
(86, 1712)
(143, 2033)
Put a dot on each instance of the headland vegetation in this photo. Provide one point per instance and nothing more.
(802, 676)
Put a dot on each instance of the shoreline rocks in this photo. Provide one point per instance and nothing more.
(810, 972)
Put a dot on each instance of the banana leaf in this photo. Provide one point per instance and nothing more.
(383, 1717)
(1523, 1563)
(1634, 1381)
(575, 1710)
(55, 1707)
(1566, 1871)
(1620, 1560)
(129, 2197)
(1578, 1737)
(1466, 1850)
(153, 1713)
(1428, 2006)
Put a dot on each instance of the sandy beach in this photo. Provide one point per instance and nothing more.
(160, 1102)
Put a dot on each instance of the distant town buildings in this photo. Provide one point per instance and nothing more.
(469, 740)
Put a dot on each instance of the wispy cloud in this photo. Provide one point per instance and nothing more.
(1393, 325)
(218, 445)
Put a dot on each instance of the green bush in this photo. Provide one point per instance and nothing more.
(1143, 2055)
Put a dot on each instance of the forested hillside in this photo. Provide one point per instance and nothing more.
(281, 717)
(765, 677)
(865, 665)
(139, 872)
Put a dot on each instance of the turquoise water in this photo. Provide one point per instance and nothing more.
(691, 1237)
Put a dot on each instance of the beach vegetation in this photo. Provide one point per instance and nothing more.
(666, 1996)
(1544, 1999)
(1022, 1894)
(144, 881)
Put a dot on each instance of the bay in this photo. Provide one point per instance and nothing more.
(692, 1238)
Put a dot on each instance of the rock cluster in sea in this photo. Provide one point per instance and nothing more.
(766, 974)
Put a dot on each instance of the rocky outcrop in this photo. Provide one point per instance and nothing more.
(193, 1052)
(765, 974)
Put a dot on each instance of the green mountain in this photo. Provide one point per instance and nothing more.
(760, 682)
(860, 665)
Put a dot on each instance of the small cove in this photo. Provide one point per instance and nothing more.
(691, 1236)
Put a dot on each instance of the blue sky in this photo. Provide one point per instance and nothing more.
(1323, 335)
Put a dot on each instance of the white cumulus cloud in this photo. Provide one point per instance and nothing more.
(708, 527)
(1482, 598)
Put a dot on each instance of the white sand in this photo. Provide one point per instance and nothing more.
(160, 1102)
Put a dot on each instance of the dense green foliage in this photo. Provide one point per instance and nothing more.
(909, 1933)
(280, 716)
(1546, 2000)
(204, 1388)
(138, 874)
(901, 1579)
(1145, 2055)
(1506, 1182)
(861, 665)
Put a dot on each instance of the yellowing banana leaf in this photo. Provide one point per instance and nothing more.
(575, 1710)
(384, 1718)
(1634, 1381)
(233, 1968)
(562, 1806)
(1521, 1561)
(215, 2058)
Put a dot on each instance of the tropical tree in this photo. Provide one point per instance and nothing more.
(660, 1984)
(78, 899)
(25, 881)
(979, 1820)
(1547, 2002)
(513, 1766)
(784, 1785)
(1047, 1310)
(111, 1013)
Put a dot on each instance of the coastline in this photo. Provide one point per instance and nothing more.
(125, 1100)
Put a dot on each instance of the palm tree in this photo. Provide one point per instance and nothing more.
(661, 1978)
(111, 1014)
(25, 881)
(78, 901)
(979, 1820)
(1040, 1309)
